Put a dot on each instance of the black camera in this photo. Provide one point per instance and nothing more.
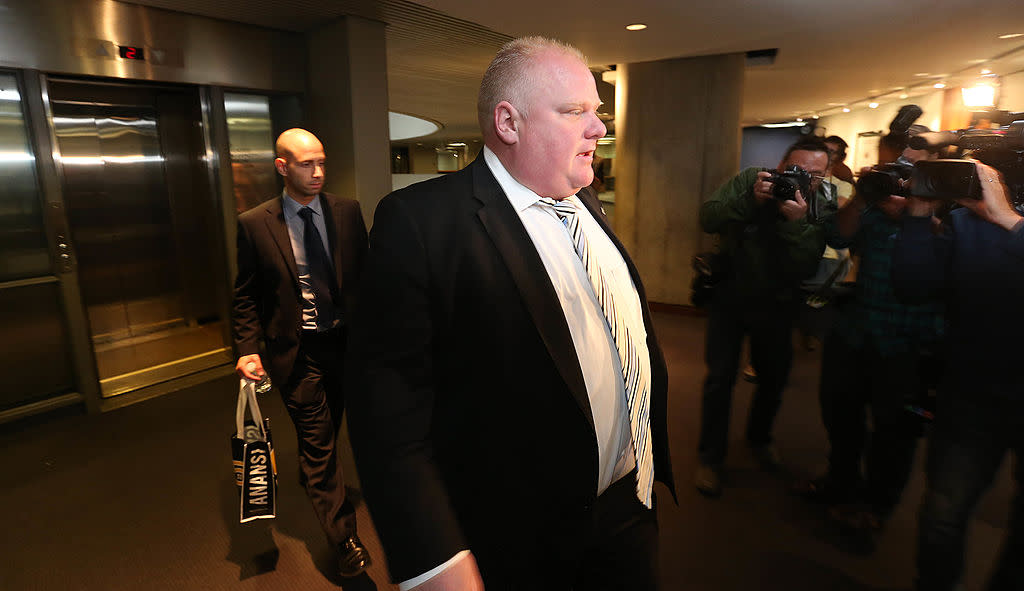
(884, 180)
(927, 179)
(945, 179)
(1001, 148)
(785, 184)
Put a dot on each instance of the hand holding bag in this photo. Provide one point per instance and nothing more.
(252, 450)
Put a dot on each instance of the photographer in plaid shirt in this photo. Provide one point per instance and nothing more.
(871, 361)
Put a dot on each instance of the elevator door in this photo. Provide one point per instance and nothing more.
(136, 224)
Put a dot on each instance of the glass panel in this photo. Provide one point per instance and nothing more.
(33, 359)
(252, 148)
(23, 250)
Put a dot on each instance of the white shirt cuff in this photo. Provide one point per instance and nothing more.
(430, 574)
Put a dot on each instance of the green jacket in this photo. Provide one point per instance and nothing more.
(766, 254)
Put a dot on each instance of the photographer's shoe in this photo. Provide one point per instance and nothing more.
(708, 480)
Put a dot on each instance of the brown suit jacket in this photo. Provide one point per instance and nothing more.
(268, 301)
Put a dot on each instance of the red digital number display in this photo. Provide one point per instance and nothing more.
(131, 53)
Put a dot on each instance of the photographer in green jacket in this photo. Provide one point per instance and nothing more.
(772, 227)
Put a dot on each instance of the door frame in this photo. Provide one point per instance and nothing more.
(62, 256)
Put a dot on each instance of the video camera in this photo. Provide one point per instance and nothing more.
(1001, 148)
(927, 179)
(884, 180)
(949, 179)
(785, 184)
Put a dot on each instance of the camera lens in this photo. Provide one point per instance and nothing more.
(784, 189)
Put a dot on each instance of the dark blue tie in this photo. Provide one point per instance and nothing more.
(319, 267)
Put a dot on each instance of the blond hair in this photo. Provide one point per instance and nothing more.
(509, 78)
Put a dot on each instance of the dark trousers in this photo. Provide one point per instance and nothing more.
(314, 399)
(971, 437)
(770, 326)
(855, 380)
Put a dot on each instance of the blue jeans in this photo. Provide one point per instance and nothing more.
(971, 437)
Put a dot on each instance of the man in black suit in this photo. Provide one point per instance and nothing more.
(498, 438)
(299, 259)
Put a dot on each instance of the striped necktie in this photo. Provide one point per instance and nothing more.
(637, 382)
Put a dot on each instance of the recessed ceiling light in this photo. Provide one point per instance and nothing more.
(986, 71)
(786, 124)
(922, 74)
(873, 105)
(846, 109)
(938, 85)
(799, 118)
(903, 96)
(815, 116)
(1011, 35)
(636, 27)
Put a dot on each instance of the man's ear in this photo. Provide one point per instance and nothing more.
(506, 122)
(281, 165)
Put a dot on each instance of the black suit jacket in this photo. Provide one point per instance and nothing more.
(268, 301)
(470, 420)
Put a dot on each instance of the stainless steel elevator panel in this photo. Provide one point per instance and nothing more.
(35, 360)
(118, 209)
(251, 145)
(23, 251)
(132, 162)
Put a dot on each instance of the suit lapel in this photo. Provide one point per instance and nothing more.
(516, 248)
(332, 215)
(279, 231)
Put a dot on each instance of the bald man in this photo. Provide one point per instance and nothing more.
(299, 259)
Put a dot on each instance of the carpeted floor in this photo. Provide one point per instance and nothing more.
(142, 498)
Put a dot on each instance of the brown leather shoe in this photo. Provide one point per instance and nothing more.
(353, 557)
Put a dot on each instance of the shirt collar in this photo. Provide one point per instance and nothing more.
(291, 207)
(518, 195)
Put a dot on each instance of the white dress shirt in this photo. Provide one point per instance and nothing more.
(591, 337)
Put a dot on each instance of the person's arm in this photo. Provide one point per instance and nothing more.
(735, 201)
(1015, 241)
(390, 399)
(803, 242)
(994, 207)
(245, 321)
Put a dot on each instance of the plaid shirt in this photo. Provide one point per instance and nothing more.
(874, 315)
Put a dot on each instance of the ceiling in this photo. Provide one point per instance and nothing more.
(830, 53)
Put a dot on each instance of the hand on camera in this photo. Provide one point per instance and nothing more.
(763, 188)
(795, 209)
(994, 205)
